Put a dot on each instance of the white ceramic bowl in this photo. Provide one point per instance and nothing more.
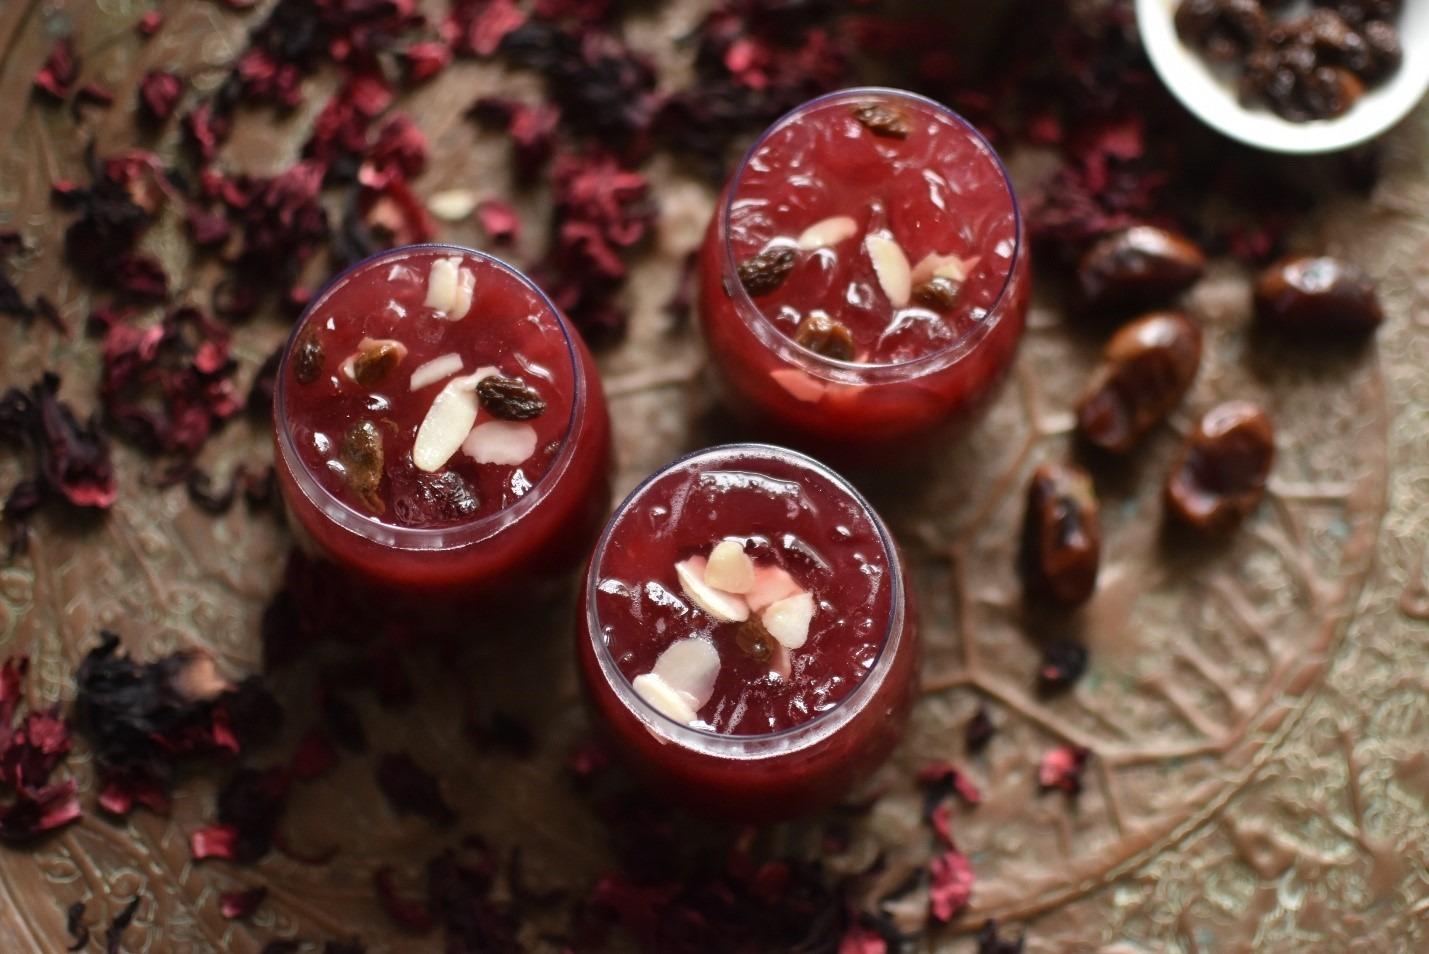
(1210, 93)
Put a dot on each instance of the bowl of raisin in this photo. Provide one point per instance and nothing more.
(1291, 76)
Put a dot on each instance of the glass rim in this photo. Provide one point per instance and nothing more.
(773, 336)
(426, 538)
(765, 744)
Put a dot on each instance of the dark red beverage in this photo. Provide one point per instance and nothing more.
(865, 278)
(747, 636)
(440, 429)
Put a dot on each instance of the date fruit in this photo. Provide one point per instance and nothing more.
(1317, 295)
(1220, 475)
(822, 335)
(766, 271)
(1138, 266)
(1061, 535)
(1146, 369)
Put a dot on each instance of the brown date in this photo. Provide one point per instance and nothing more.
(1138, 266)
(1220, 475)
(1061, 535)
(1146, 369)
(1317, 295)
(822, 335)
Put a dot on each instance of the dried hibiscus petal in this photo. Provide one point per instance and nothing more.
(240, 904)
(159, 92)
(60, 70)
(412, 789)
(1062, 768)
(951, 885)
(766, 271)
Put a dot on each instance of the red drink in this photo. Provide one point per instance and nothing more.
(865, 278)
(440, 429)
(747, 638)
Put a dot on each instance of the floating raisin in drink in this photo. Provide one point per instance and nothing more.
(427, 391)
(1061, 535)
(1221, 473)
(1146, 369)
(883, 119)
(1139, 266)
(361, 458)
(510, 399)
(738, 680)
(893, 217)
(307, 359)
(822, 335)
(1317, 295)
(766, 271)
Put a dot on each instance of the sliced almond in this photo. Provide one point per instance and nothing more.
(771, 584)
(500, 442)
(447, 424)
(788, 619)
(449, 288)
(730, 568)
(430, 372)
(690, 666)
(779, 662)
(891, 267)
(799, 385)
(722, 607)
(453, 205)
(830, 231)
(441, 284)
(665, 700)
(950, 266)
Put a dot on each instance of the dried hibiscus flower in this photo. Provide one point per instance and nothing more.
(1062, 768)
(71, 460)
(30, 750)
(57, 76)
(142, 719)
(951, 885)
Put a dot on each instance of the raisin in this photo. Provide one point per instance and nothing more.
(822, 335)
(307, 359)
(375, 360)
(1138, 266)
(362, 460)
(939, 294)
(436, 499)
(510, 399)
(754, 640)
(766, 271)
(1223, 30)
(883, 120)
(1220, 475)
(1061, 535)
(1317, 296)
(1385, 53)
(1146, 369)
